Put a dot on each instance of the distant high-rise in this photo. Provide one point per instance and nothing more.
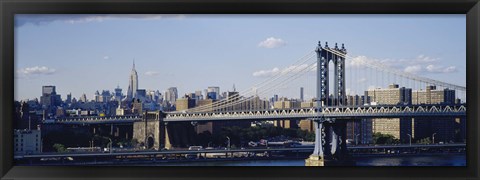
(49, 97)
(83, 98)
(118, 93)
(214, 95)
(301, 94)
(132, 84)
(171, 95)
(69, 98)
(97, 96)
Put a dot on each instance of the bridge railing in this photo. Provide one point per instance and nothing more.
(420, 110)
(95, 118)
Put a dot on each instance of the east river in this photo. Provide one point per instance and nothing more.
(420, 160)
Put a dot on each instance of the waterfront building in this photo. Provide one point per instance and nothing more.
(285, 103)
(444, 128)
(137, 106)
(391, 96)
(27, 141)
(184, 103)
(206, 105)
(307, 124)
(432, 95)
(400, 128)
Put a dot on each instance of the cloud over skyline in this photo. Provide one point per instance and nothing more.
(36, 70)
(152, 73)
(272, 42)
(290, 69)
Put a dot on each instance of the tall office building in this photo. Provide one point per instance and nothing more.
(106, 96)
(97, 96)
(49, 97)
(301, 94)
(83, 98)
(216, 92)
(118, 94)
(69, 98)
(132, 84)
(141, 95)
(171, 95)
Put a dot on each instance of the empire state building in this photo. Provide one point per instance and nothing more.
(132, 84)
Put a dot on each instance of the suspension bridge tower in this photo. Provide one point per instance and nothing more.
(330, 136)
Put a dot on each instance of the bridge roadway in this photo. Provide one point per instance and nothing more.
(96, 154)
(344, 112)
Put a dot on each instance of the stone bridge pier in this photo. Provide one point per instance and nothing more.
(152, 132)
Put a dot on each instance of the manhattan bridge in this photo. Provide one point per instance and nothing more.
(330, 108)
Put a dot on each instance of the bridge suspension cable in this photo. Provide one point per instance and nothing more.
(232, 104)
(237, 96)
(382, 67)
(299, 68)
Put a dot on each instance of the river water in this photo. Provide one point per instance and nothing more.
(424, 160)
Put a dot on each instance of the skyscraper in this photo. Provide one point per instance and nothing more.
(215, 94)
(301, 94)
(118, 93)
(132, 84)
(49, 97)
(171, 95)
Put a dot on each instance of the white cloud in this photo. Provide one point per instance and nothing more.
(266, 73)
(426, 59)
(32, 72)
(362, 80)
(440, 69)
(106, 57)
(36, 70)
(413, 69)
(151, 73)
(289, 69)
(417, 65)
(272, 42)
(359, 61)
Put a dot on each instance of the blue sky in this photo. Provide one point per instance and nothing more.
(84, 53)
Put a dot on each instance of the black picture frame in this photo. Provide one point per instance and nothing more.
(8, 8)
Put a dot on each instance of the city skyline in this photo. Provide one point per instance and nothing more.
(250, 50)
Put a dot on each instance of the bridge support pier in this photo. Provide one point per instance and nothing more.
(152, 131)
(330, 145)
(317, 159)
